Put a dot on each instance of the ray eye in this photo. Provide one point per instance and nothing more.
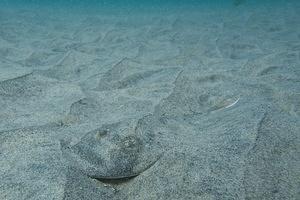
(101, 133)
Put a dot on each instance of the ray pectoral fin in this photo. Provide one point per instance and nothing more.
(232, 104)
(114, 153)
(115, 180)
(125, 178)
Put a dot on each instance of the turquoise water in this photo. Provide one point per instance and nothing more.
(98, 4)
(144, 6)
(129, 7)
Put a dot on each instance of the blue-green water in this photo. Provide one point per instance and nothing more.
(99, 4)
(144, 6)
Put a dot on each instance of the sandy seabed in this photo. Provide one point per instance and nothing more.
(196, 104)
